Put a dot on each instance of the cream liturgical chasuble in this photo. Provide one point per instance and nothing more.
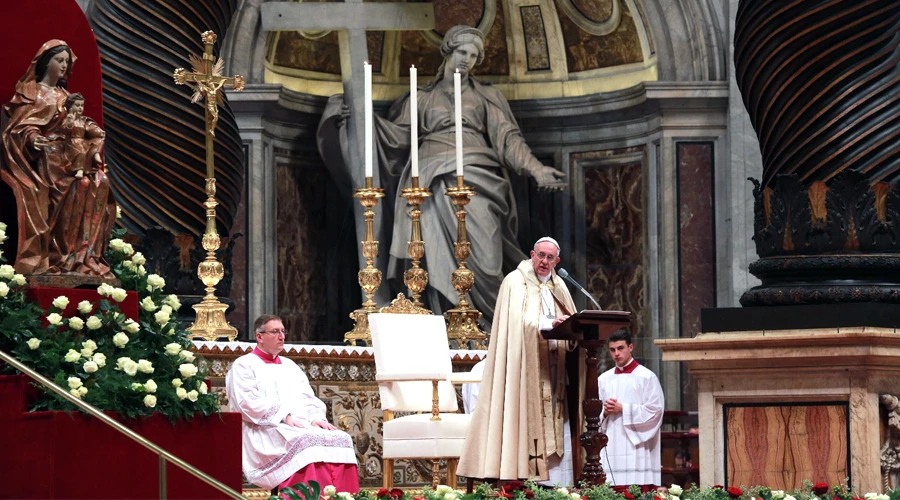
(632, 455)
(518, 420)
(265, 391)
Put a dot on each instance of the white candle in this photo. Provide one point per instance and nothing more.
(367, 104)
(457, 103)
(413, 122)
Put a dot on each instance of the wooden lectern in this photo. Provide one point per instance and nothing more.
(589, 330)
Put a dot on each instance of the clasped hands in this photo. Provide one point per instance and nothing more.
(611, 406)
(296, 422)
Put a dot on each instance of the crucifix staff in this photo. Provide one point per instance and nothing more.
(206, 79)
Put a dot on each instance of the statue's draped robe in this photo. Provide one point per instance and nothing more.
(64, 225)
(519, 416)
(492, 144)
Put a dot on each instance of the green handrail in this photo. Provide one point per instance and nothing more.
(164, 456)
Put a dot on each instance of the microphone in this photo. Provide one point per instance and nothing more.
(565, 275)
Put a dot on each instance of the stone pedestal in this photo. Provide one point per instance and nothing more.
(778, 407)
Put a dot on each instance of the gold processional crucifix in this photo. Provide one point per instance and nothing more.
(206, 79)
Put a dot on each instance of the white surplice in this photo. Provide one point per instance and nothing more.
(632, 455)
(265, 393)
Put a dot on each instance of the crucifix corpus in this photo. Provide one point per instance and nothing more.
(206, 79)
(351, 19)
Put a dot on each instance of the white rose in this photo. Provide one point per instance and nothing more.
(187, 356)
(155, 281)
(72, 356)
(675, 490)
(118, 294)
(2, 226)
(173, 349)
(141, 271)
(203, 388)
(116, 244)
(443, 488)
(131, 326)
(177, 382)
(148, 305)
(76, 323)
(4, 289)
(674, 497)
(90, 346)
(150, 385)
(100, 359)
(145, 366)
(129, 265)
(54, 319)
(173, 301)
(61, 302)
(90, 367)
(75, 382)
(121, 362)
(575, 496)
(777, 493)
(166, 308)
(75, 392)
(161, 317)
(94, 323)
(192, 395)
(136, 386)
(85, 307)
(118, 212)
(345, 496)
(18, 279)
(138, 259)
(187, 370)
(127, 249)
(2, 235)
(120, 339)
(329, 491)
(33, 343)
(150, 400)
(870, 496)
(130, 368)
(563, 491)
(104, 289)
(789, 497)
(7, 271)
(181, 393)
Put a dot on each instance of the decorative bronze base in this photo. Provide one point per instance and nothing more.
(211, 324)
(462, 326)
(360, 332)
(68, 281)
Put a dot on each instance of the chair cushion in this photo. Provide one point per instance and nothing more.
(416, 436)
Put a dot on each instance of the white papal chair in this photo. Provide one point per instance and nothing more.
(415, 374)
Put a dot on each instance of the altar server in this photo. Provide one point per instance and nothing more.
(632, 416)
(286, 436)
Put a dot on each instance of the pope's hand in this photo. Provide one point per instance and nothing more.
(324, 425)
(560, 320)
(294, 422)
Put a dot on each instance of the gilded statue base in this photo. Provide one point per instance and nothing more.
(211, 324)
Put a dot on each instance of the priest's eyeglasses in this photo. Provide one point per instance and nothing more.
(276, 332)
(548, 256)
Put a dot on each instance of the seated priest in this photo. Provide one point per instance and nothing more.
(286, 437)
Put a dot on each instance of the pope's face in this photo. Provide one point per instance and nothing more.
(463, 58)
(271, 340)
(544, 258)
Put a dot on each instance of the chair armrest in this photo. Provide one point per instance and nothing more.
(411, 377)
(465, 378)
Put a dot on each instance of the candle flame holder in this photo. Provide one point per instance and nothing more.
(369, 277)
(415, 278)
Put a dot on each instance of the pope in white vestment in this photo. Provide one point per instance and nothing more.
(286, 436)
(632, 416)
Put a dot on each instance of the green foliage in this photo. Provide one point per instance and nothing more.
(133, 366)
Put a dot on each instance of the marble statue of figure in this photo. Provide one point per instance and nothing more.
(51, 160)
(493, 147)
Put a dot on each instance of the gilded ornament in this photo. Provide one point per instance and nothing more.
(462, 321)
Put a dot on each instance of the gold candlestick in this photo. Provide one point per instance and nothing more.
(369, 277)
(462, 321)
(415, 278)
(206, 79)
